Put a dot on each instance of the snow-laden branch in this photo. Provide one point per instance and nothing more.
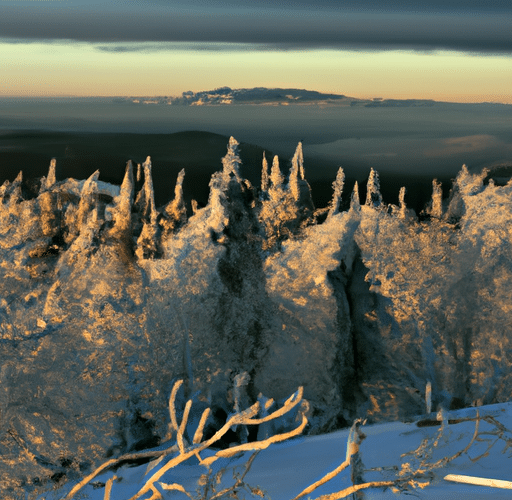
(186, 451)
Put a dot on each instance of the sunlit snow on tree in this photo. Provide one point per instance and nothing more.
(105, 299)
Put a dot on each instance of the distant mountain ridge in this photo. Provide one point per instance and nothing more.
(269, 96)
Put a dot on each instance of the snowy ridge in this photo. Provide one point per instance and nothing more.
(106, 298)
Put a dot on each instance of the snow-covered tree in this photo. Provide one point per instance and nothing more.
(276, 178)
(12, 191)
(48, 181)
(265, 180)
(373, 196)
(401, 201)
(231, 162)
(175, 212)
(148, 240)
(436, 204)
(88, 199)
(122, 213)
(48, 204)
(296, 169)
(355, 204)
(337, 186)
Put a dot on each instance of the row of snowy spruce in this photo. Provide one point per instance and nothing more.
(104, 300)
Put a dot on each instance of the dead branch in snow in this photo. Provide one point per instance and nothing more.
(418, 472)
(419, 476)
(186, 450)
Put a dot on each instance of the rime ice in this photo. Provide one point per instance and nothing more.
(106, 298)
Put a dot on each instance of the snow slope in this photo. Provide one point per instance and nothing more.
(285, 469)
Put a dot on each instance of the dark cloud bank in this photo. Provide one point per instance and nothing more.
(277, 25)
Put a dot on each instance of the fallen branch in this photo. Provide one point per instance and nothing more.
(479, 481)
(186, 451)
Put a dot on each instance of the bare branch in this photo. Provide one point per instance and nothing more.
(108, 487)
(175, 486)
(257, 445)
(356, 487)
(242, 418)
(480, 481)
(186, 451)
(290, 403)
(183, 426)
(114, 461)
(324, 480)
(240, 480)
(443, 461)
(198, 435)
(172, 407)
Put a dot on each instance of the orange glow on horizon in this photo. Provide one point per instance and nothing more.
(81, 70)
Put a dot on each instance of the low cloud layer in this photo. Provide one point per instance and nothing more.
(451, 25)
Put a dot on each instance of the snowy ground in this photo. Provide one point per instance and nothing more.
(285, 469)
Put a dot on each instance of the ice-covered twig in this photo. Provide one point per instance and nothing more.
(239, 481)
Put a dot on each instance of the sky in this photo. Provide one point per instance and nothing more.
(452, 50)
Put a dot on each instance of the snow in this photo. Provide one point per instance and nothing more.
(104, 301)
(284, 469)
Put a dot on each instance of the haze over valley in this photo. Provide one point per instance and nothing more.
(410, 141)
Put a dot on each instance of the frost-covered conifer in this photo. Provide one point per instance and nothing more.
(436, 209)
(175, 213)
(276, 177)
(48, 203)
(178, 190)
(19, 179)
(373, 196)
(149, 192)
(265, 180)
(147, 243)
(355, 204)
(337, 186)
(300, 161)
(466, 185)
(194, 205)
(401, 201)
(52, 178)
(88, 198)
(123, 203)
(293, 180)
(231, 162)
(49, 181)
(4, 187)
(12, 191)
